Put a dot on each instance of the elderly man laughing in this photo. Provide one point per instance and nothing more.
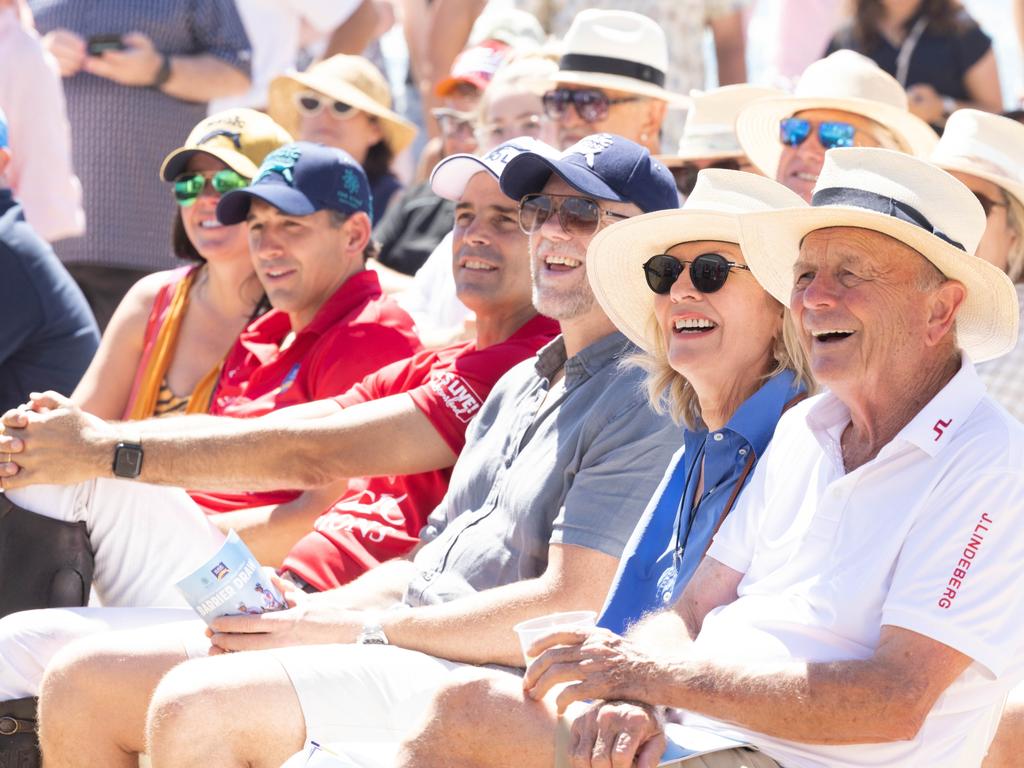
(862, 605)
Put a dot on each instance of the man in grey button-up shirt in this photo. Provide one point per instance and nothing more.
(558, 466)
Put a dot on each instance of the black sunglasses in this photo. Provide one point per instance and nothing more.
(591, 104)
(686, 174)
(579, 216)
(708, 272)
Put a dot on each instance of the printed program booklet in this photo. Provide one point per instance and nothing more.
(230, 583)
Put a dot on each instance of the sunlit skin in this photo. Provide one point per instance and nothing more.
(211, 238)
(355, 134)
(638, 120)
(514, 112)
(726, 362)
(999, 238)
(799, 166)
(491, 262)
(870, 288)
(302, 260)
(560, 287)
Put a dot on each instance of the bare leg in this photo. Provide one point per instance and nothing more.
(1008, 744)
(232, 710)
(481, 718)
(95, 693)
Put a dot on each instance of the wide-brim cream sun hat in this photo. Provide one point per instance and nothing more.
(846, 81)
(710, 129)
(912, 201)
(985, 145)
(617, 254)
(240, 138)
(350, 79)
(619, 50)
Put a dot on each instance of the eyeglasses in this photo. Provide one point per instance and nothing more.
(579, 216)
(189, 186)
(591, 104)
(495, 133)
(686, 174)
(451, 122)
(309, 104)
(987, 203)
(794, 131)
(708, 272)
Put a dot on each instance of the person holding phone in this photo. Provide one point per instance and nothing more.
(138, 74)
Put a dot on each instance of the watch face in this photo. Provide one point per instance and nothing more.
(128, 460)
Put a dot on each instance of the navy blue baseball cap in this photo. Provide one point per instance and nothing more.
(603, 166)
(300, 179)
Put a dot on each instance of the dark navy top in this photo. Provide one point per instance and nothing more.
(653, 571)
(49, 335)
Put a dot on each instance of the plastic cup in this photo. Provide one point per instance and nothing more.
(532, 630)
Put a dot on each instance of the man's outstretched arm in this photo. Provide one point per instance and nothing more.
(298, 447)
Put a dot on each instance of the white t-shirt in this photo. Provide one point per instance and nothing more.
(277, 29)
(927, 536)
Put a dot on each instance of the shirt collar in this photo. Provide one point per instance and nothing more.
(756, 418)
(584, 363)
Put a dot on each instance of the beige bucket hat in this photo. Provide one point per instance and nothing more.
(985, 145)
(620, 50)
(710, 129)
(910, 200)
(617, 254)
(350, 79)
(239, 138)
(846, 81)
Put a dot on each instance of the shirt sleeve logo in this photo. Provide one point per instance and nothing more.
(457, 395)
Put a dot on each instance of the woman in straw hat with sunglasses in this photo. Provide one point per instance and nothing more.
(345, 102)
(163, 349)
(718, 360)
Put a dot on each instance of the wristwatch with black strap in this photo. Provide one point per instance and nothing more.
(128, 459)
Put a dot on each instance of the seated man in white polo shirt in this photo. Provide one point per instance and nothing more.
(864, 603)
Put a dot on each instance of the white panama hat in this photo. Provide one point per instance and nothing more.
(844, 80)
(620, 50)
(710, 129)
(617, 254)
(988, 146)
(913, 202)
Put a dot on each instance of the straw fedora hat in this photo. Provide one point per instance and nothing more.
(617, 254)
(710, 129)
(351, 79)
(985, 145)
(239, 138)
(846, 81)
(912, 201)
(620, 50)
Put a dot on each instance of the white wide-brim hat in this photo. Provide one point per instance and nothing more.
(617, 254)
(985, 145)
(710, 129)
(845, 81)
(911, 201)
(619, 50)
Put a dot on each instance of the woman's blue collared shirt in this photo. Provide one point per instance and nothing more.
(651, 576)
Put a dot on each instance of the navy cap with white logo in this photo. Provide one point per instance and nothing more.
(603, 166)
(300, 179)
(450, 176)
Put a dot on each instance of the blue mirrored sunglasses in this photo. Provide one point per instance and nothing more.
(794, 131)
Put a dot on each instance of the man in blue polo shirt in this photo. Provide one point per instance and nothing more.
(47, 333)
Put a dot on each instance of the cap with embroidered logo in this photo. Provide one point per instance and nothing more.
(300, 179)
(450, 176)
(603, 166)
(239, 138)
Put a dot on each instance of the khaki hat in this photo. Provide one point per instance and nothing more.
(710, 129)
(239, 138)
(845, 81)
(985, 145)
(349, 79)
(620, 50)
(912, 201)
(617, 254)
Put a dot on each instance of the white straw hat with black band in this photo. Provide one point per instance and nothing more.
(617, 253)
(912, 201)
(618, 50)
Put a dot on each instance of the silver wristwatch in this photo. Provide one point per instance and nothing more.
(372, 634)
